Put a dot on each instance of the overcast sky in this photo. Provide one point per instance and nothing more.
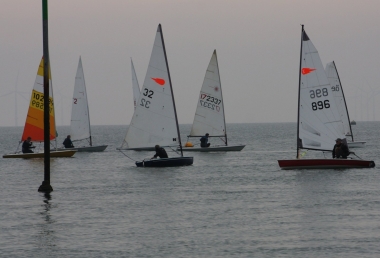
(257, 42)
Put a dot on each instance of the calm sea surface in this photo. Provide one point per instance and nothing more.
(237, 204)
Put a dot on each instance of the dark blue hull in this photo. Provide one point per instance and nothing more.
(169, 162)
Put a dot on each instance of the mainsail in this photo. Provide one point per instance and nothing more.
(80, 115)
(135, 85)
(337, 90)
(154, 120)
(209, 116)
(34, 124)
(319, 121)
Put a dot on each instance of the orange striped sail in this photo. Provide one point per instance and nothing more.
(34, 124)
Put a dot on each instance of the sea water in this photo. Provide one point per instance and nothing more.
(228, 204)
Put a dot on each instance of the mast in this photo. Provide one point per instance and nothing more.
(85, 95)
(221, 93)
(16, 99)
(344, 99)
(171, 88)
(299, 93)
(133, 70)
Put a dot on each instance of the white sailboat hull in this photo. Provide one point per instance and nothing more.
(53, 154)
(358, 144)
(139, 149)
(98, 148)
(214, 148)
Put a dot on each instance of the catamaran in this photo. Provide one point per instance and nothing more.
(155, 121)
(34, 124)
(80, 126)
(337, 89)
(319, 123)
(209, 116)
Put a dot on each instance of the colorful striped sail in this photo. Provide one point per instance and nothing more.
(34, 124)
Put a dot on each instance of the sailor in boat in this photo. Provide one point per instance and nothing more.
(160, 152)
(340, 150)
(68, 143)
(204, 141)
(27, 145)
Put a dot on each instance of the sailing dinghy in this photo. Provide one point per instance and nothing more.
(34, 124)
(319, 122)
(209, 116)
(337, 89)
(80, 127)
(155, 121)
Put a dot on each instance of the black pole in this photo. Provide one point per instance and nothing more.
(46, 187)
(299, 92)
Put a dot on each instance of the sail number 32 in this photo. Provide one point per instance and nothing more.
(149, 94)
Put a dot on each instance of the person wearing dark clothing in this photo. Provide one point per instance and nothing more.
(160, 152)
(68, 143)
(340, 150)
(27, 146)
(204, 141)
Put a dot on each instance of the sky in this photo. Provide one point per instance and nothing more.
(257, 42)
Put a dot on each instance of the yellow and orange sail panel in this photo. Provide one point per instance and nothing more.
(34, 124)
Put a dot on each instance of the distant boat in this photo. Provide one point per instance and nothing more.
(80, 127)
(154, 121)
(34, 124)
(319, 123)
(209, 116)
(337, 89)
(353, 122)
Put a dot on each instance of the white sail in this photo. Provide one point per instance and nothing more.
(336, 88)
(209, 116)
(319, 122)
(154, 119)
(80, 116)
(135, 85)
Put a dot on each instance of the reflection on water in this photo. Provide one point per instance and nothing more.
(46, 233)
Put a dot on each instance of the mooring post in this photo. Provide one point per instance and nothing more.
(46, 187)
